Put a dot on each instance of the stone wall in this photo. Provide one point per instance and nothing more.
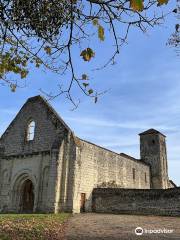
(153, 152)
(137, 201)
(34, 167)
(52, 175)
(66, 175)
(99, 167)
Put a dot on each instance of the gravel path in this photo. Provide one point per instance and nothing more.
(91, 226)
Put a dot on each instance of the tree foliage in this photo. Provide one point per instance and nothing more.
(174, 40)
(43, 33)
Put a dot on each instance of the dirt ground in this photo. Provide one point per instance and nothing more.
(91, 226)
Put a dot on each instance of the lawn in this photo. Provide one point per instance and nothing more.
(32, 226)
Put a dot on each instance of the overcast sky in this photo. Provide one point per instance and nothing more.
(144, 92)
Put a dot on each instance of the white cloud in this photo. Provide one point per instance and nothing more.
(108, 123)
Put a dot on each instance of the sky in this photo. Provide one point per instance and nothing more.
(143, 92)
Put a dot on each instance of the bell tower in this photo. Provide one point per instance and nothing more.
(153, 152)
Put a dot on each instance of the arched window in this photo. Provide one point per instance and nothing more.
(30, 130)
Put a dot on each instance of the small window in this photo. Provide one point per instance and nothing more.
(153, 141)
(145, 178)
(134, 173)
(30, 131)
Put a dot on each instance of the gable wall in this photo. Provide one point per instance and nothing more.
(47, 131)
(40, 158)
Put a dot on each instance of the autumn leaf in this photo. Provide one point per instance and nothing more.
(161, 2)
(177, 27)
(100, 29)
(175, 10)
(101, 33)
(137, 5)
(87, 54)
(95, 22)
(13, 87)
(84, 77)
(85, 84)
(24, 63)
(24, 73)
(38, 62)
(47, 49)
(90, 91)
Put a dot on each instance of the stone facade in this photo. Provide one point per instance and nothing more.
(57, 171)
(45, 161)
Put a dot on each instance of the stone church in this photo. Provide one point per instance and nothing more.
(44, 167)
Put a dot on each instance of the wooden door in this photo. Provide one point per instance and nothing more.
(83, 201)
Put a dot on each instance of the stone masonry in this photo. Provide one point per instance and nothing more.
(57, 171)
(163, 202)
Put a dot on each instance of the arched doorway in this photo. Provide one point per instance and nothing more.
(27, 197)
(23, 195)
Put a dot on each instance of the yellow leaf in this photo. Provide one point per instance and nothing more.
(137, 5)
(87, 54)
(101, 33)
(13, 87)
(95, 22)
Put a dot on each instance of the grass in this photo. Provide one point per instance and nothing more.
(32, 226)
